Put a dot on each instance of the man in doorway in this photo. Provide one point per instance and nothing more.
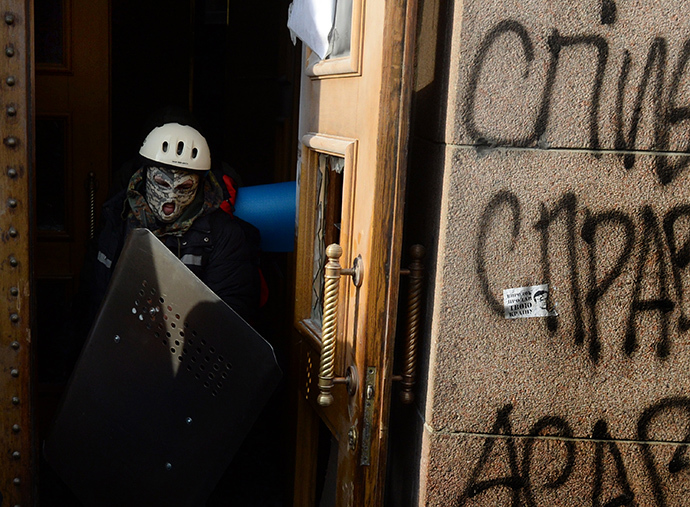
(175, 195)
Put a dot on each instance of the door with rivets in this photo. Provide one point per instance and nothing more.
(16, 171)
(54, 150)
(354, 109)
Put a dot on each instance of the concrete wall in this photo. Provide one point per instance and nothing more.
(555, 132)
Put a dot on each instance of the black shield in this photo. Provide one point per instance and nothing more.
(168, 385)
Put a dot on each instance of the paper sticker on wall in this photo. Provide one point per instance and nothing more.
(524, 302)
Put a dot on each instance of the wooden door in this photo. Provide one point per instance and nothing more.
(15, 268)
(72, 173)
(353, 126)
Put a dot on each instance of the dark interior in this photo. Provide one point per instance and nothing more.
(233, 64)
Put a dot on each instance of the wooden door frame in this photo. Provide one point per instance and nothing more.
(398, 69)
(16, 125)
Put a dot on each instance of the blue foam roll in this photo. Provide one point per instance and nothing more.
(271, 209)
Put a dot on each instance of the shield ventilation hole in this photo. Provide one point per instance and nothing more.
(200, 359)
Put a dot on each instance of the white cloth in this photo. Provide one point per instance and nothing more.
(312, 22)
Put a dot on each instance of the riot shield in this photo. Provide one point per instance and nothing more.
(167, 386)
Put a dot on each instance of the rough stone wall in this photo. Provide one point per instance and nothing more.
(563, 150)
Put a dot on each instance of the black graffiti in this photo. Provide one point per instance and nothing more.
(603, 438)
(519, 481)
(504, 27)
(652, 238)
(667, 171)
(656, 58)
(598, 289)
(556, 43)
(665, 115)
(497, 202)
(518, 478)
(608, 12)
(657, 250)
(562, 429)
(678, 462)
(513, 481)
(566, 206)
(680, 257)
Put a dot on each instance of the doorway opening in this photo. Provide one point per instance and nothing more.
(234, 66)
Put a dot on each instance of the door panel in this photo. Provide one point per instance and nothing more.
(353, 124)
(72, 146)
(72, 152)
(53, 202)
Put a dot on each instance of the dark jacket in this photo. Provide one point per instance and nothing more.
(219, 249)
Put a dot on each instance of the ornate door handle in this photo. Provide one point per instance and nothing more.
(91, 186)
(414, 312)
(329, 329)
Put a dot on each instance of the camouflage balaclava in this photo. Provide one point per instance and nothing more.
(170, 191)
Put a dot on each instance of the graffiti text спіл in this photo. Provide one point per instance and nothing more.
(664, 90)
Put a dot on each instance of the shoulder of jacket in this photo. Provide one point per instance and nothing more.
(219, 219)
(112, 209)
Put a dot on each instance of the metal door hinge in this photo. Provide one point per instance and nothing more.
(352, 438)
(369, 395)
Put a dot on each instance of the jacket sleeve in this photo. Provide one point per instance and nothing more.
(232, 271)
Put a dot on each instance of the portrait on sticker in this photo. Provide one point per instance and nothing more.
(524, 302)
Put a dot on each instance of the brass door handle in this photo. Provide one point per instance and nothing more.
(414, 312)
(329, 328)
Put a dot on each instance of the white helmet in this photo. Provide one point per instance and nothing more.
(177, 146)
